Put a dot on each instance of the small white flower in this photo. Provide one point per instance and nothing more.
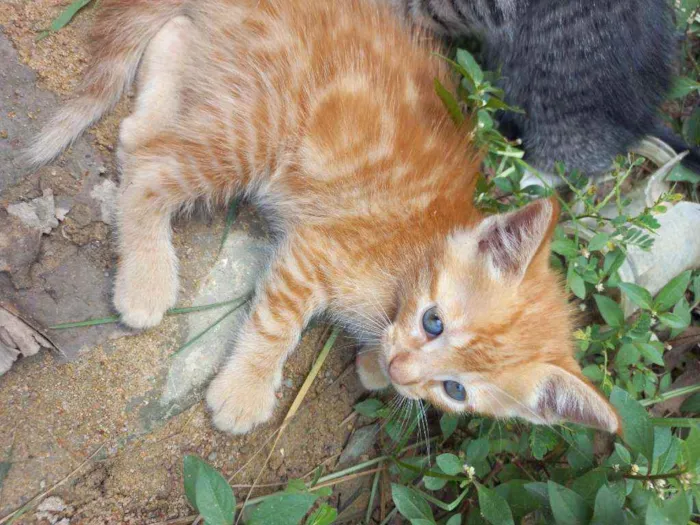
(616, 467)
(585, 253)
(599, 287)
(469, 470)
(668, 347)
(660, 483)
(634, 469)
(648, 485)
(582, 307)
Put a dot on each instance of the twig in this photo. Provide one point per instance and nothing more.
(36, 498)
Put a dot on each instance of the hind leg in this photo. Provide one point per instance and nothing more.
(147, 282)
(159, 84)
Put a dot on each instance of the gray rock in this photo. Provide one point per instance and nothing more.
(241, 261)
(19, 248)
(39, 213)
(105, 192)
(51, 504)
(360, 443)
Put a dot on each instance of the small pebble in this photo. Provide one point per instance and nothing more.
(288, 383)
(51, 504)
(212, 456)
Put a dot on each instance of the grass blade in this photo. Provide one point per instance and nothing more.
(62, 20)
(172, 311)
(230, 217)
(208, 328)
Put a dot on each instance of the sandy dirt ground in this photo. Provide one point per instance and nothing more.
(99, 399)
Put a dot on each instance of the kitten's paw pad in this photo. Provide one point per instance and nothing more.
(370, 371)
(238, 405)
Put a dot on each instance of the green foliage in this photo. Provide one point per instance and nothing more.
(288, 507)
(208, 492)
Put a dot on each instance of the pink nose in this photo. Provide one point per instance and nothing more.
(404, 370)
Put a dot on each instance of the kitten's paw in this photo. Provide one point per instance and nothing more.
(239, 403)
(370, 370)
(142, 302)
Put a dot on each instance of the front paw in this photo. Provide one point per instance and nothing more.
(239, 402)
(370, 370)
(142, 297)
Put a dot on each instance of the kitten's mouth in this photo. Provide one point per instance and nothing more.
(405, 392)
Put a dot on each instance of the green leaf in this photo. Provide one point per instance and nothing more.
(434, 483)
(637, 429)
(287, 508)
(673, 321)
(477, 450)
(576, 283)
(580, 453)
(190, 473)
(467, 61)
(565, 247)
(493, 507)
(324, 515)
(610, 310)
(208, 491)
(691, 449)
(607, 509)
(651, 352)
(449, 464)
(637, 295)
(682, 87)
(680, 173)
(450, 103)
(675, 511)
(669, 458)
(448, 424)
(542, 440)
(568, 507)
(692, 404)
(588, 485)
(517, 496)
(599, 241)
(410, 503)
(626, 356)
(454, 520)
(613, 261)
(369, 407)
(672, 292)
(623, 453)
(691, 128)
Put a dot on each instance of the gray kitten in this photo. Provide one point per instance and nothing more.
(590, 74)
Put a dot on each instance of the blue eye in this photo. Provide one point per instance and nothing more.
(432, 324)
(455, 390)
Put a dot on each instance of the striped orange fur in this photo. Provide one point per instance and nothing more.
(323, 113)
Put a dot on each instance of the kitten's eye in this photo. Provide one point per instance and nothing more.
(455, 390)
(432, 324)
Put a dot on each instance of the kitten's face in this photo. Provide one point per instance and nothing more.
(487, 329)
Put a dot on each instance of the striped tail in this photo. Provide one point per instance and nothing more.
(120, 36)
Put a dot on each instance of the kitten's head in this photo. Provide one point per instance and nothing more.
(485, 327)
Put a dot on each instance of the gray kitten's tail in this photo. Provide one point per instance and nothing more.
(120, 36)
(692, 159)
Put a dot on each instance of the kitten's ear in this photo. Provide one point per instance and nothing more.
(561, 396)
(510, 242)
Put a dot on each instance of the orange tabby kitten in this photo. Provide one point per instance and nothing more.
(323, 113)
